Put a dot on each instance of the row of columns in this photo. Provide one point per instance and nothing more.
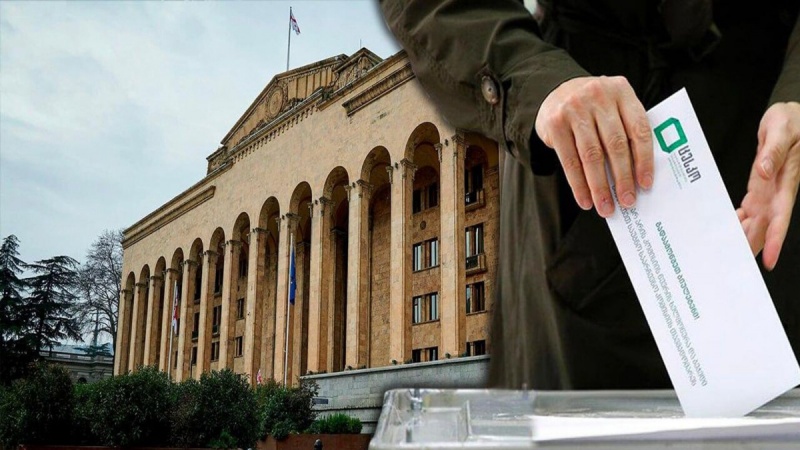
(321, 293)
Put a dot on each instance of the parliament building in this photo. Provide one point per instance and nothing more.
(392, 212)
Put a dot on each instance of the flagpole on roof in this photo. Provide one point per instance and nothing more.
(289, 46)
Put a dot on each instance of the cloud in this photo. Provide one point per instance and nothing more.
(108, 109)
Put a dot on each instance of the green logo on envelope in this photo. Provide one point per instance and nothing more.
(671, 130)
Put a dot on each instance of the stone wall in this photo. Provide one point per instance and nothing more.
(359, 393)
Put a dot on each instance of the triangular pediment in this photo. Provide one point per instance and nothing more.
(287, 89)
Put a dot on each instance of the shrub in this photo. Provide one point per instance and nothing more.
(188, 422)
(336, 424)
(287, 410)
(128, 410)
(37, 409)
(226, 405)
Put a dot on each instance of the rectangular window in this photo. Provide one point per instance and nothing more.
(196, 328)
(178, 326)
(194, 355)
(215, 351)
(242, 268)
(418, 253)
(216, 319)
(474, 240)
(416, 202)
(433, 306)
(416, 355)
(416, 316)
(476, 348)
(239, 346)
(240, 308)
(175, 360)
(432, 353)
(218, 280)
(476, 300)
(433, 253)
(433, 195)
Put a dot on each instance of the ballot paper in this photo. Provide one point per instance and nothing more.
(697, 281)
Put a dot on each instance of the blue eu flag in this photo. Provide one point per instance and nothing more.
(292, 277)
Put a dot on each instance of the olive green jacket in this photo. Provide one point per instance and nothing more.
(565, 313)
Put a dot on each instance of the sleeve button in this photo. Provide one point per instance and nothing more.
(489, 90)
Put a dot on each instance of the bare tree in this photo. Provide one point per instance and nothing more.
(100, 286)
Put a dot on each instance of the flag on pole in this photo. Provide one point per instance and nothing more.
(175, 310)
(259, 379)
(292, 277)
(293, 22)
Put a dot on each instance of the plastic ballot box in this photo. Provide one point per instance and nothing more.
(505, 419)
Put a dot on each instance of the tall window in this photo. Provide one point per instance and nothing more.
(239, 345)
(416, 316)
(425, 197)
(433, 306)
(194, 355)
(416, 355)
(240, 308)
(196, 329)
(218, 279)
(216, 319)
(475, 297)
(419, 255)
(215, 351)
(433, 252)
(198, 283)
(474, 236)
(473, 179)
(476, 348)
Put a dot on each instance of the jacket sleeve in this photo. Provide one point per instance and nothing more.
(787, 89)
(456, 46)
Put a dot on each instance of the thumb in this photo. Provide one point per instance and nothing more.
(772, 148)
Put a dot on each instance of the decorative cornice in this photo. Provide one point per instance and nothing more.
(141, 284)
(179, 210)
(438, 147)
(381, 88)
(172, 271)
(365, 189)
(189, 263)
(258, 231)
(389, 170)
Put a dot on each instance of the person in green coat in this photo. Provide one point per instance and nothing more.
(563, 91)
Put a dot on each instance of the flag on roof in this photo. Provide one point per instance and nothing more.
(293, 22)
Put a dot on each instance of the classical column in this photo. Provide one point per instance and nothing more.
(151, 322)
(123, 333)
(357, 277)
(451, 243)
(230, 274)
(206, 306)
(318, 301)
(401, 177)
(170, 282)
(286, 224)
(137, 325)
(254, 303)
(185, 322)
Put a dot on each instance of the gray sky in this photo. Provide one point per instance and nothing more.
(108, 109)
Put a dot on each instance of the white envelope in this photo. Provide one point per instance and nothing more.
(697, 281)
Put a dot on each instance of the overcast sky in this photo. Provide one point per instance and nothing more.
(108, 109)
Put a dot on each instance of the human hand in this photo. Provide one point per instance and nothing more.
(774, 179)
(589, 120)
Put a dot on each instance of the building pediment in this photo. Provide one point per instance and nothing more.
(287, 89)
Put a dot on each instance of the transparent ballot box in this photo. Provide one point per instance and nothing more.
(504, 419)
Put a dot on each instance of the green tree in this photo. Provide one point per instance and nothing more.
(50, 304)
(17, 351)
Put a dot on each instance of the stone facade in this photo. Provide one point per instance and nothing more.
(391, 214)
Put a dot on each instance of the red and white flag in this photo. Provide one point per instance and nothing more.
(293, 22)
(259, 379)
(175, 311)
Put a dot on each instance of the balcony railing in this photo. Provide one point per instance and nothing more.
(474, 200)
(476, 263)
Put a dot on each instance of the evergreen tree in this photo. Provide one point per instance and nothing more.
(51, 301)
(16, 351)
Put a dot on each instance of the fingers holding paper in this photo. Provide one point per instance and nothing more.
(774, 180)
(591, 121)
